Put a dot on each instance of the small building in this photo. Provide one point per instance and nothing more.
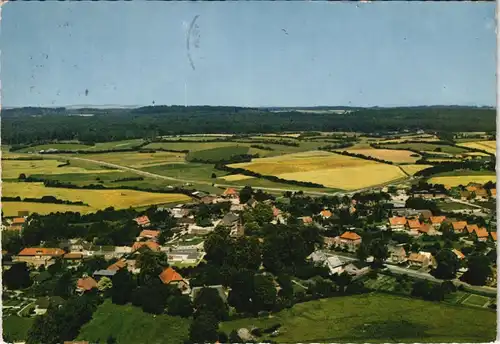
(349, 239)
(191, 256)
(481, 194)
(153, 246)
(413, 224)
(326, 214)
(143, 221)
(85, 284)
(437, 221)
(472, 228)
(398, 223)
(73, 257)
(397, 254)
(149, 234)
(104, 273)
(459, 226)
(418, 260)
(427, 229)
(459, 254)
(481, 234)
(37, 256)
(493, 236)
(170, 276)
(120, 264)
(307, 220)
(230, 193)
(220, 290)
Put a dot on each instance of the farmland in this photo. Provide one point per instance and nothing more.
(412, 169)
(376, 318)
(489, 146)
(130, 325)
(396, 156)
(96, 199)
(13, 168)
(137, 159)
(462, 180)
(236, 177)
(427, 147)
(61, 146)
(329, 169)
(11, 208)
(217, 154)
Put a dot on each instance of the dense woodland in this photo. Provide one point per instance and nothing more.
(29, 125)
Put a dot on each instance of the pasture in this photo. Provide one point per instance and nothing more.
(217, 154)
(130, 325)
(378, 318)
(11, 208)
(13, 168)
(190, 171)
(412, 169)
(125, 144)
(137, 159)
(428, 147)
(396, 156)
(16, 328)
(236, 177)
(330, 169)
(61, 146)
(488, 146)
(452, 181)
(96, 199)
(190, 146)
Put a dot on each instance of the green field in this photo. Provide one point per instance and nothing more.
(16, 328)
(427, 147)
(191, 171)
(62, 146)
(476, 300)
(117, 144)
(376, 318)
(129, 324)
(217, 154)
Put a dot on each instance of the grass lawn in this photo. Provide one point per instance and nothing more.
(129, 324)
(376, 318)
(15, 327)
(218, 154)
(448, 206)
(476, 300)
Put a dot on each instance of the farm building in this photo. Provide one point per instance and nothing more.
(38, 256)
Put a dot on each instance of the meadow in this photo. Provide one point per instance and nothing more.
(412, 169)
(427, 147)
(12, 208)
(137, 159)
(130, 325)
(13, 168)
(217, 154)
(61, 146)
(378, 318)
(488, 146)
(15, 327)
(396, 156)
(452, 181)
(329, 169)
(96, 199)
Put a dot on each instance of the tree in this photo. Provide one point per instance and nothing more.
(362, 252)
(180, 306)
(123, 285)
(234, 337)
(104, 284)
(93, 263)
(245, 194)
(209, 300)
(17, 277)
(421, 289)
(264, 295)
(204, 328)
(245, 253)
(64, 286)
(379, 251)
(111, 340)
(479, 269)
(151, 264)
(22, 176)
(213, 176)
(286, 284)
(447, 264)
(217, 246)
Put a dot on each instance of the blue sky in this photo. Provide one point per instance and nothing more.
(248, 53)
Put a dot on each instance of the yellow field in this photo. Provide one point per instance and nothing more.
(11, 208)
(412, 169)
(96, 199)
(137, 160)
(422, 138)
(387, 154)
(330, 169)
(464, 180)
(489, 146)
(13, 168)
(236, 177)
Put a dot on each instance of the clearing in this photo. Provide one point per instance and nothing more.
(330, 169)
(96, 199)
(129, 324)
(396, 156)
(376, 317)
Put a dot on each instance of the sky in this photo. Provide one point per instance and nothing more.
(247, 53)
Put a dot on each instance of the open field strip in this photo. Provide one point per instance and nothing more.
(396, 156)
(13, 168)
(236, 177)
(96, 199)
(428, 147)
(136, 159)
(11, 208)
(489, 146)
(332, 170)
(62, 146)
(412, 169)
(190, 146)
(462, 180)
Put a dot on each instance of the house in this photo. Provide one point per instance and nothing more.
(465, 195)
(397, 223)
(179, 212)
(349, 239)
(493, 193)
(472, 228)
(143, 221)
(230, 220)
(194, 229)
(208, 199)
(117, 265)
(191, 256)
(307, 220)
(427, 229)
(153, 246)
(149, 234)
(418, 260)
(326, 214)
(85, 284)
(230, 193)
(459, 226)
(43, 303)
(220, 289)
(121, 250)
(493, 236)
(425, 214)
(104, 273)
(333, 263)
(397, 254)
(436, 221)
(413, 224)
(18, 221)
(329, 241)
(170, 276)
(459, 254)
(482, 234)
(38, 256)
(73, 257)
(481, 194)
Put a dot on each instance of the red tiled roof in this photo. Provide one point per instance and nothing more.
(149, 244)
(86, 283)
(276, 211)
(493, 235)
(41, 251)
(459, 225)
(397, 221)
(437, 219)
(307, 219)
(459, 254)
(481, 192)
(142, 220)
(472, 228)
(416, 257)
(482, 233)
(424, 228)
(414, 224)
(19, 220)
(230, 192)
(73, 256)
(350, 236)
(15, 227)
(170, 275)
(149, 233)
(117, 266)
(326, 213)
(493, 192)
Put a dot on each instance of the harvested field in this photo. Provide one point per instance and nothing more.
(489, 146)
(11, 208)
(138, 160)
(330, 169)
(236, 177)
(396, 156)
(412, 169)
(462, 180)
(13, 168)
(96, 199)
